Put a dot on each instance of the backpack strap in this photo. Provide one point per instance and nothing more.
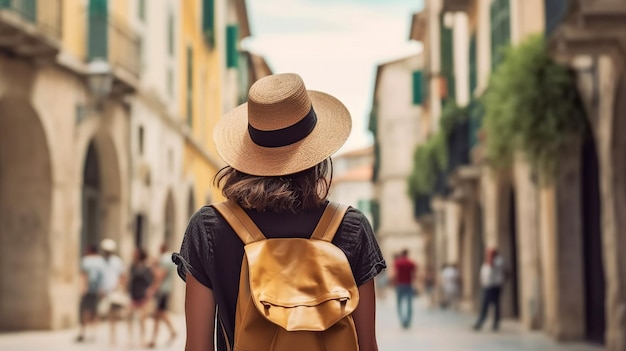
(239, 220)
(330, 221)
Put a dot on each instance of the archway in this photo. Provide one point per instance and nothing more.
(591, 215)
(25, 215)
(508, 249)
(169, 221)
(101, 193)
(90, 234)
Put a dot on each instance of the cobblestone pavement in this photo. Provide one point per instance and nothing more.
(431, 330)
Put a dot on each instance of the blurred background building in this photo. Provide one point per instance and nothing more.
(106, 116)
(561, 240)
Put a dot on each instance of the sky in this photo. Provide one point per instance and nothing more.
(335, 45)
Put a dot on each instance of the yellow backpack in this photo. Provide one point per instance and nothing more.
(294, 294)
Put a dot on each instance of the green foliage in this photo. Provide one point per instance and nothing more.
(531, 105)
(429, 160)
(451, 115)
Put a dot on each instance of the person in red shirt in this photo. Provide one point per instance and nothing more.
(405, 272)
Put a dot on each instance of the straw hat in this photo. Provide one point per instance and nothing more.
(282, 129)
(108, 245)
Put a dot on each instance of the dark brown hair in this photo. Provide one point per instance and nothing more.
(296, 192)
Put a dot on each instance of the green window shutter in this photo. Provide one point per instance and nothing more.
(232, 50)
(29, 9)
(141, 10)
(417, 88)
(170, 34)
(500, 13)
(190, 86)
(473, 69)
(208, 21)
(97, 46)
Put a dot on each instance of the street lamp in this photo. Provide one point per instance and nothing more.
(99, 78)
(100, 84)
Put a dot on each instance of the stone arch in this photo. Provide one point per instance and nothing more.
(101, 192)
(25, 217)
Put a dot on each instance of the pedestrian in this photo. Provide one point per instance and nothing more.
(92, 271)
(140, 280)
(429, 287)
(277, 147)
(492, 277)
(114, 279)
(162, 287)
(405, 271)
(451, 286)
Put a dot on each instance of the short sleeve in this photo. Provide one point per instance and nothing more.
(370, 256)
(365, 257)
(195, 252)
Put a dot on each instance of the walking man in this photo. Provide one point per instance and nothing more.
(405, 272)
(113, 286)
(492, 277)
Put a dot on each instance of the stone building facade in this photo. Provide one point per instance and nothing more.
(64, 154)
(560, 241)
(395, 120)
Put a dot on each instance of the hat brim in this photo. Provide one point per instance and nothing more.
(236, 148)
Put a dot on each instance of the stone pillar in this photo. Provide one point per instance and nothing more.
(562, 252)
(611, 125)
(528, 245)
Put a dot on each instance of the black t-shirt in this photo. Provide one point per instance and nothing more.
(212, 252)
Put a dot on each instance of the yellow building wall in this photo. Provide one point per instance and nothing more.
(206, 105)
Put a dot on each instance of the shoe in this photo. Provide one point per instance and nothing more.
(80, 338)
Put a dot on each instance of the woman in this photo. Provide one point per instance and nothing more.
(277, 147)
(141, 277)
(492, 278)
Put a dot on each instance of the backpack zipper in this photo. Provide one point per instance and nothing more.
(228, 347)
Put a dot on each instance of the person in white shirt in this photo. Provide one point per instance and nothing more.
(114, 279)
(492, 277)
(450, 282)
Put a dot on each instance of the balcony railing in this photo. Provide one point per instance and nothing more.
(555, 11)
(30, 27)
(111, 40)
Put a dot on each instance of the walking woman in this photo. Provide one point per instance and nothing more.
(141, 276)
(492, 276)
(277, 147)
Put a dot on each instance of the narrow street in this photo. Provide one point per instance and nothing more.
(431, 330)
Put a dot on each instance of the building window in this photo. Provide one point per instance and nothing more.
(170, 34)
(170, 82)
(140, 141)
(189, 86)
(500, 14)
(208, 21)
(447, 61)
(141, 9)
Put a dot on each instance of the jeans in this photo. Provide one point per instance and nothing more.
(404, 295)
(491, 296)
